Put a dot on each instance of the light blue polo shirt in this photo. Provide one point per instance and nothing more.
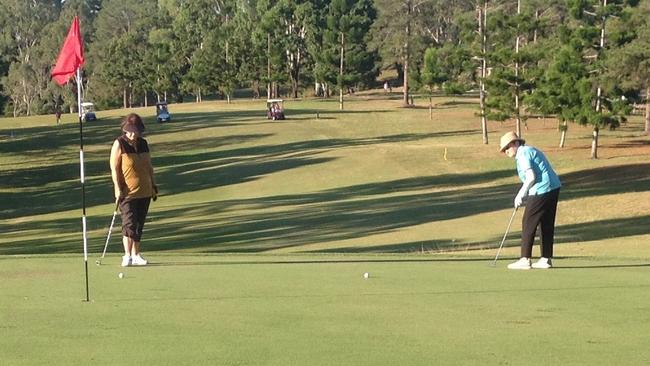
(546, 179)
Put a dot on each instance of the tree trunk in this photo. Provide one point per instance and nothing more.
(430, 108)
(594, 140)
(535, 31)
(647, 110)
(594, 144)
(125, 98)
(256, 89)
(341, 71)
(482, 17)
(294, 88)
(268, 65)
(517, 111)
(564, 129)
(407, 53)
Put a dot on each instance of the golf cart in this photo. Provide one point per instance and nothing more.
(274, 109)
(162, 113)
(88, 112)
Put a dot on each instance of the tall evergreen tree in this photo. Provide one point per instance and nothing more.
(630, 67)
(447, 68)
(588, 35)
(344, 57)
(399, 35)
(118, 51)
(513, 60)
(248, 47)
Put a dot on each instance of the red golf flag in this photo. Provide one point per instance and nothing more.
(71, 56)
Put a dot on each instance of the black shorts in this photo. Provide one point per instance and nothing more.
(134, 213)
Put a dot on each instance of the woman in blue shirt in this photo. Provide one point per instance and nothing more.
(540, 191)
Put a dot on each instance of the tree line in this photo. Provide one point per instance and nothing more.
(583, 61)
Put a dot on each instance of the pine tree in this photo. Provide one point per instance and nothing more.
(588, 35)
(399, 35)
(347, 30)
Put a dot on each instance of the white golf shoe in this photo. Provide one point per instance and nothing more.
(522, 263)
(543, 263)
(126, 260)
(137, 260)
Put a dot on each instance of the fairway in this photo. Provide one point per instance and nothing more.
(264, 229)
(318, 310)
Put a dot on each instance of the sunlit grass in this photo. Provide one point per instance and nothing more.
(374, 177)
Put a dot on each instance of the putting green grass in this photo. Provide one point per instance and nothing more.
(318, 310)
(263, 231)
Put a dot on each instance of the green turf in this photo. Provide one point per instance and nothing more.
(264, 229)
(318, 310)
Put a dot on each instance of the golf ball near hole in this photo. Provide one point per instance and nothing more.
(366, 275)
(121, 275)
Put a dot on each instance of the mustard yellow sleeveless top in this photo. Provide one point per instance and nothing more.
(136, 167)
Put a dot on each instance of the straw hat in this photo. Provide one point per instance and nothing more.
(508, 138)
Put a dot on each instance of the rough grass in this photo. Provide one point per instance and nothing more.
(264, 229)
(374, 178)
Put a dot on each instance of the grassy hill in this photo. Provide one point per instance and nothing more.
(263, 232)
(373, 178)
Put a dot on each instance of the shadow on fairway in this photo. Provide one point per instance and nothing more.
(603, 266)
(608, 180)
(50, 184)
(53, 187)
(283, 221)
(292, 221)
(339, 214)
(225, 262)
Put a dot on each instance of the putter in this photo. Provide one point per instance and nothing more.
(494, 262)
(108, 236)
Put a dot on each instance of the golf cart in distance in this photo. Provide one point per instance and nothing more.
(88, 112)
(274, 109)
(162, 113)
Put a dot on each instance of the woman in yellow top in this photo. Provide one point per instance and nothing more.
(134, 185)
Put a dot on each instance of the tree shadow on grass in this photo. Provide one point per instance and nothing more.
(606, 180)
(574, 233)
(601, 266)
(293, 221)
(284, 221)
(226, 262)
(55, 187)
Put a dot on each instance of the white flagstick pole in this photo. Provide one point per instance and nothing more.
(83, 179)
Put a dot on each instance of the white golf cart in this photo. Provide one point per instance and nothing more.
(162, 112)
(88, 112)
(274, 109)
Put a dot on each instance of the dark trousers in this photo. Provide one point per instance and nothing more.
(540, 211)
(134, 213)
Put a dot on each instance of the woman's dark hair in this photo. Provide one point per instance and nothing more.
(132, 120)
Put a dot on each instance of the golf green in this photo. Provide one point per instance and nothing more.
(319, 310)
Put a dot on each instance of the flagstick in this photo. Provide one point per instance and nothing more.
(83, 179)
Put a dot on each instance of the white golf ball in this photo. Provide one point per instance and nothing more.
(121, 275)
(366, 275)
